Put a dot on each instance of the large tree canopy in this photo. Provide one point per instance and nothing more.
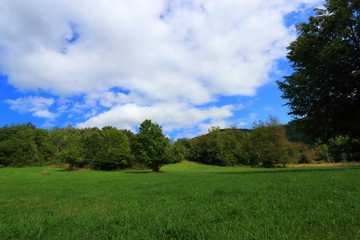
(151, 146)
(323, 91)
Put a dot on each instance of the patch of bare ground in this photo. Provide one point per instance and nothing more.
(44, 173)
(81, 170)
(185, 161)
(324, 164)
(57, 165)
(67, 168)
(243, 167)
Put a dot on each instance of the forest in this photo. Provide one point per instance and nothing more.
(267, 144)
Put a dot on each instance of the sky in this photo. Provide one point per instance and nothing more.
(185, 64)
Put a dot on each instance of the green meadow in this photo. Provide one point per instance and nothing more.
(185, 201)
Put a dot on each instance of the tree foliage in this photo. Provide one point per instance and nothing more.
(21, 145)
(180, 150)
(151, 146)
(112, 149)
(270, 147)
(265, 146)
(224, 147)
(271, 121)
(323, 91)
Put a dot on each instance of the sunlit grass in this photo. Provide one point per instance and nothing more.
(185, 201)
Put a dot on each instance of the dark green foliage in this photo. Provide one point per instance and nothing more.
(264, 146)
(58, 139)
(70, 156)
(324, 89)
(322, 153)
(22, 145)
(151, 147)
(269, 147)
(294, 134)
(220, 147)
(67, 145)
(209, 148)
(304, 158)
(42, 140)
(90, 142)
(112, 151)
(344, 148)
(180, 150)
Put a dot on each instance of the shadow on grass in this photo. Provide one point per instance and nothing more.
(75, 170)
(287, 170)
(144, 172)
(137, 172)
(128, 171)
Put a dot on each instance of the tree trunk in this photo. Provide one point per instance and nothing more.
(156, 168)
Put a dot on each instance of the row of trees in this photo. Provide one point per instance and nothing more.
(104, 149)
(268, 144)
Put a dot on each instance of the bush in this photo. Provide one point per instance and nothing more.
(304, 158)
(344, 148)
(322, 153)
(111, 159)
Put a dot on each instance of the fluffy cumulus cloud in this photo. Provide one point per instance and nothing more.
(171, 115)
(157, 59)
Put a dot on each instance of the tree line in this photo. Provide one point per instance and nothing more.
(103, 149)
(268, 144)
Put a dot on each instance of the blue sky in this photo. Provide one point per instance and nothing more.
(187, 65)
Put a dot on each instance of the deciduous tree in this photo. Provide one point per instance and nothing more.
(323, 91)
(151, 146)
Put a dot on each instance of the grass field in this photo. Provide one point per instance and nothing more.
(187, 201)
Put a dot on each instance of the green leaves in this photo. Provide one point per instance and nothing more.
(151, 147)
(323, 91)
(110, 148)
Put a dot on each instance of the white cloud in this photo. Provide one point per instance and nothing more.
(170, 115)
(167, 56)
(38, 106)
